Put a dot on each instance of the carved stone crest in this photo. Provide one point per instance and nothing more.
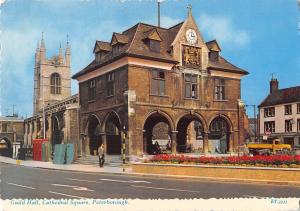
(191, 56)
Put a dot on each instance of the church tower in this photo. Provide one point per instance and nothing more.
(52, 77)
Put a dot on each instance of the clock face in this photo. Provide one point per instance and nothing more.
(191, 36)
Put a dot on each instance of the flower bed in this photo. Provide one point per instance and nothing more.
(292, 161)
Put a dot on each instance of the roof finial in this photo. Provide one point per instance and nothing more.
(67, 38)
(42, 42)
(190, 9)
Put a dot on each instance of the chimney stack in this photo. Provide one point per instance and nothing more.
(273, 85)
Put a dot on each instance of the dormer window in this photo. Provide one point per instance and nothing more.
(214, 55)
(116, 49)
(153, 40)
(101, 49)
(99, 56)
(154, 45)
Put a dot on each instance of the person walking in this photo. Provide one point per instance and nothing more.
(101, 155)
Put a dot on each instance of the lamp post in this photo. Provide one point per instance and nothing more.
(255, 120)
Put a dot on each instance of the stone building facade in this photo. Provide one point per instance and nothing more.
(279, 115)
(11, 130)
(52, 81)
(149, 75)
(55, 110)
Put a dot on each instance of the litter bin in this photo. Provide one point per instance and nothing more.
(21, 153)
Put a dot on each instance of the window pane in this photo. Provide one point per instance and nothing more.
(162, 75)
(194, 91)
(154, 74)
(154, 87)
(188, 90)
(187, 77)
(162, 87)
(222, 90)
(194, 78)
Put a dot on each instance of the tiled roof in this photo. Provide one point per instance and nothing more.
(282, 96)
(224, 65)
(213, 44)
(101, 45)
(133, 44)
(121, 38)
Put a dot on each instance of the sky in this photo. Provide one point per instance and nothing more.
(260, 36)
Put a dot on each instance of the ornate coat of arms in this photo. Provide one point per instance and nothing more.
(191, 56)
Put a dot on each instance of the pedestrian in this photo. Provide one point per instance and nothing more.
(101, 155)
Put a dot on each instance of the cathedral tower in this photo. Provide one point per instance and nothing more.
(52, 77)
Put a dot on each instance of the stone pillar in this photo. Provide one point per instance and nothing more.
(87, 145)
(103, 138)
(173, 141)
(34, 133)
(205, 142)
(230, 136)
(49, 131)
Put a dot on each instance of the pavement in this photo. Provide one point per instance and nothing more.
(67, 167)
(126, 169)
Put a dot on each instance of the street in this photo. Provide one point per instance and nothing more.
(26, 182)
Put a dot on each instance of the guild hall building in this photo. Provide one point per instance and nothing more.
(149, 76)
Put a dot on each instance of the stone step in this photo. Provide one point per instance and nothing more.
(94, 160)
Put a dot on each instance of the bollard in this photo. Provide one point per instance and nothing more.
(123, 150)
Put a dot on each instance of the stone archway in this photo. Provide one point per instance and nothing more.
(112, 127)
(94, 134)
(157, 130)
(190, 130)
(219, 135)
(5, 143)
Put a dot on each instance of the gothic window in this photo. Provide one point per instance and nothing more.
(92, 89)
(110, 85)
(298, 127)
(219, 89)
(55, 84)
(269, 126)
(158, 82)
(190, 86)
(298, 108)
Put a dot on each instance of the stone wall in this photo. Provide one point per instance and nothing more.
(243, 173)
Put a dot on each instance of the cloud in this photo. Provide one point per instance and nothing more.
(18, 45)
(223, 30)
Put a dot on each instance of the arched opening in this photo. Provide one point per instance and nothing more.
(189, 137)
(156, 135)
(56, 131)
(55, 84)
(219, 136)
(94, 134)
(5, 143)
(113, 134)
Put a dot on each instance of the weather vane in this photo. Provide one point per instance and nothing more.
(189, 8)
